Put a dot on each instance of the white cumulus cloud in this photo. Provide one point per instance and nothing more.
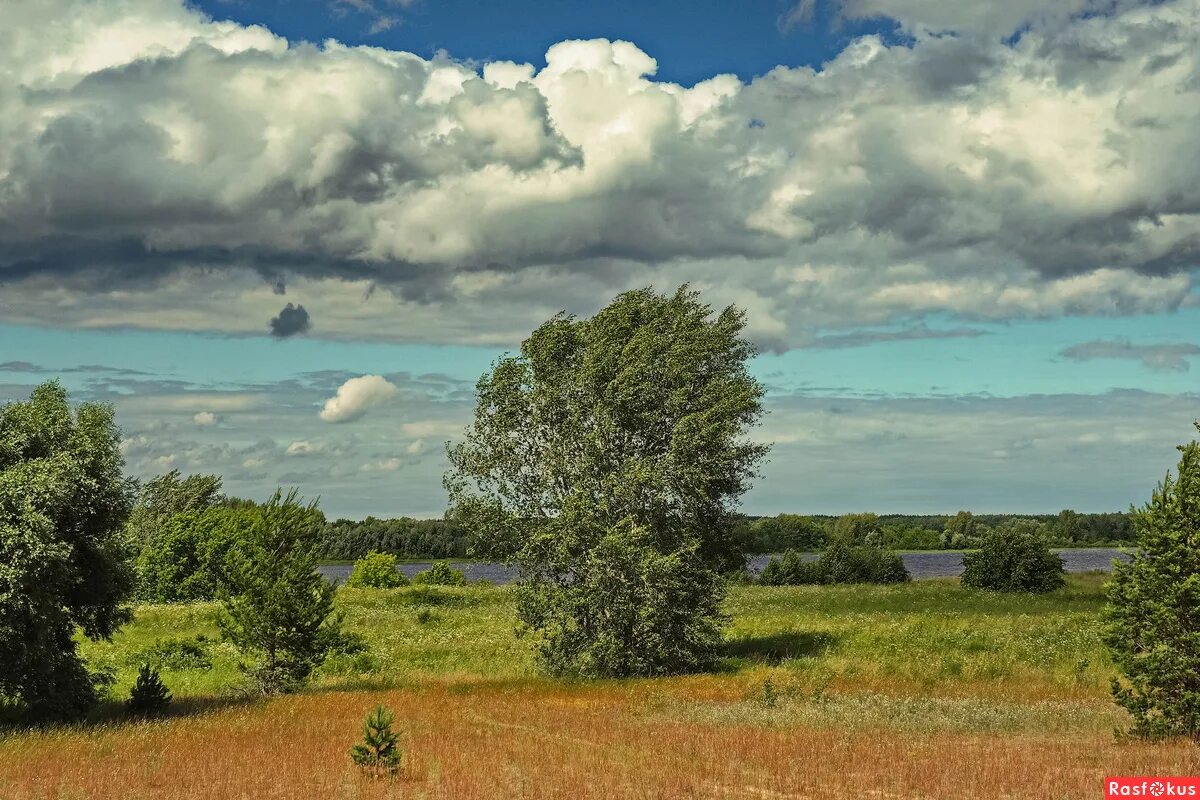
(205, 419)
(356, 396)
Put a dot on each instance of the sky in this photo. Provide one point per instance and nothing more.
(284, 239)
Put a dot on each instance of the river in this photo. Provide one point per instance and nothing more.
(933, 564)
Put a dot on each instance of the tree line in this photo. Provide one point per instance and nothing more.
(961, 531)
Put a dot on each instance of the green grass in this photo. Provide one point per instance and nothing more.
(927, 636)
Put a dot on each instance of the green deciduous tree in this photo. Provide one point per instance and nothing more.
(961, 530)
(1153, 612)
(63, 563)
(1014, 557)
(161, 498)
(277, 609)
(615, 446)
(857, 529)
(184, 557)
(787, 532)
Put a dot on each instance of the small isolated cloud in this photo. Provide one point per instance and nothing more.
(1154, 357)
(302, 448)
(205, 419)
(416, 448)
(385, 465)
(356, 396)
(292, 319)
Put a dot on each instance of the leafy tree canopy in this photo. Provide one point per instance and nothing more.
(63, 564)
(607, 439)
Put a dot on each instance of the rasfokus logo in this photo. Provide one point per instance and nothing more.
(1158, 786)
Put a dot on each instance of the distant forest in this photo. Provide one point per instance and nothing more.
(346, 540)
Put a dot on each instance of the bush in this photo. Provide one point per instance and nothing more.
(791, 570)
(379, 753)
(840, 563)
(440, 574)
(1013, 558)
(176, 654)
(149, 695)
(376, 571)
(844, 564)
(1151, 617)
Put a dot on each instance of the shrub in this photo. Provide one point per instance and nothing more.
(440, 574)
(176, 654)
(1014, 557)
(790, 570)
(378, 753)
(149, 695)
(840, 563)
(1151, 617)
(376, 571)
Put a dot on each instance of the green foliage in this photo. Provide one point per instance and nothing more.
(785, 532)
(857, 529)
(163, 497)
(346, 539)
(184, 558)
(1013, 558)
(63, 560)
(840, 563)
(614, 447)
(440, 573)
(790, 570)
(277, 609)
(631, 611)
(376, 571)
(961, 531)
(1153, 612)
(379, 752)
(149, 695)
(177, 654)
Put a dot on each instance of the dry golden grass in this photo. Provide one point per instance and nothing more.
(917, 691)
(544, 740)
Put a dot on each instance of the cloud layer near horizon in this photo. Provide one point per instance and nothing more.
(162, 170)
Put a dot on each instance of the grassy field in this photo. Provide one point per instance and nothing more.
(921, 690)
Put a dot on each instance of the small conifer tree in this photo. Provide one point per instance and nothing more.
(1154, 609)
(149, 695)
(378, 753)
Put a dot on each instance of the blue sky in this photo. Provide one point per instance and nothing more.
(964, 232)
(711, 37)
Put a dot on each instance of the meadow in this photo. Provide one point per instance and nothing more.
(918, 690)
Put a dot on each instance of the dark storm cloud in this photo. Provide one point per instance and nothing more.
(292, 319)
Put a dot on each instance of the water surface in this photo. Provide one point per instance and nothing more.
(933, 564)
